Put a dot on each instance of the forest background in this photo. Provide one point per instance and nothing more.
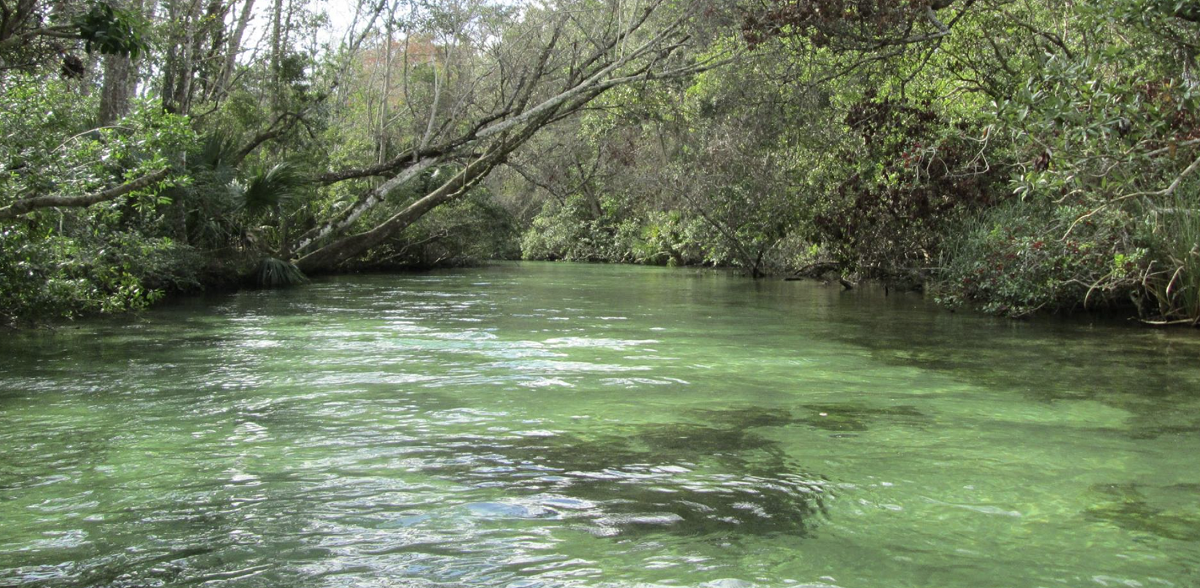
(1010, 155)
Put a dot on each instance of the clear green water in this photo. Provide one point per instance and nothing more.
(567, 425)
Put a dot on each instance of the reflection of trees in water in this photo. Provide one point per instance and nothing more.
(679, 478)
(1150, 374)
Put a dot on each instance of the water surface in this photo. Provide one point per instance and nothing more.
(569, 425)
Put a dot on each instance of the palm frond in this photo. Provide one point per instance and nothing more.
(268, 188)
(275, 273)
(216, 152)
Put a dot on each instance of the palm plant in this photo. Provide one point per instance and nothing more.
(266, 192)
(269, 189)
(273, 272)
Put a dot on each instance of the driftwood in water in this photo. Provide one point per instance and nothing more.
(818, 270)
(814, 270)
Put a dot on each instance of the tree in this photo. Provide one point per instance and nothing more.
(526, 72)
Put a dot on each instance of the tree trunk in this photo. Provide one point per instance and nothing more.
(386, 95)
(25, 205)
(119, 86)
(331, 256)
(179, 68)
(276, 57)
(187, 61)
(235, 45)
(206, 44)
(494, 137)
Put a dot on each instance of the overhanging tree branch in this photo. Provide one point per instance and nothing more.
(30, 204)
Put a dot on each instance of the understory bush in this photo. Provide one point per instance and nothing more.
(109, 257)
(1173, 279)
(44, 275)
(1020, 257)
(560, 231)
(570, 232)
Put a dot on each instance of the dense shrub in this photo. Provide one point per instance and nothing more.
(105, 258)
(1173, 278)
(1018, 258)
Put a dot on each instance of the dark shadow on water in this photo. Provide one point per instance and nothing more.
(1150, 374)
(855, 417)
(747, 417)
(838, 417)
(693, 442)
(1146, 509)
(677, 478)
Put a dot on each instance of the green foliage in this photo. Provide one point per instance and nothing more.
(665, 238)
(1018, 156)
(216, 153)
(269, 188)
(908, 173)
(572, 231)
(1015, 260)
(111, 30)
(467, 231)
(1174, 281)
(681, 175)
(109, 257)
(47, 275)
(567, 232)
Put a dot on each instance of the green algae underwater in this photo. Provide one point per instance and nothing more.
(579, 425)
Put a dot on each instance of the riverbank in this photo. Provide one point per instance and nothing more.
(227, 279)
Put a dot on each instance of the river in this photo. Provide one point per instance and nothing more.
(535, 425)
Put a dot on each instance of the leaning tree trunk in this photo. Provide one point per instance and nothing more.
(494, 137)
(331, 256)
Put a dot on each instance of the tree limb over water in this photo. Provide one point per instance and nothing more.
(30, 204)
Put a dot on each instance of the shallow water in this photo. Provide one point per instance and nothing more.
(572, 425)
